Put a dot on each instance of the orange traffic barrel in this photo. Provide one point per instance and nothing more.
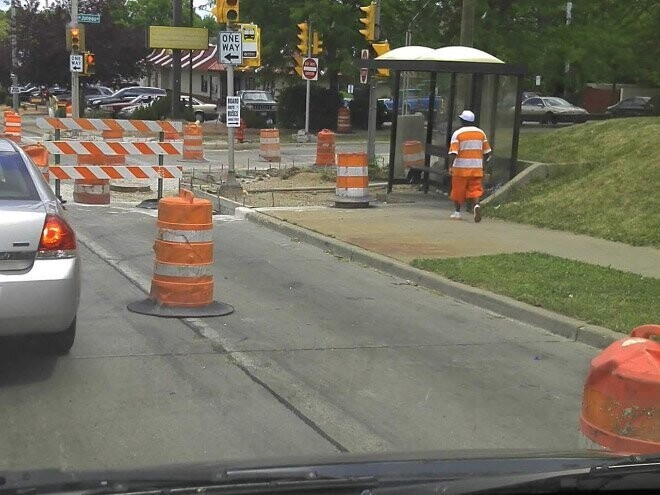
(240, 131)
(413, 154)
(39, 155)
(13, 126)
(352, 188)
(182, 283)
(325, 148)
(193, 143)
(269, 145)
(69, 111)
(343, 120)
(621, 399)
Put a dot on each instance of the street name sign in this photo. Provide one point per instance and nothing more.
(76, 62)
(89, 18)
(310, 69)
(233, 111)
(231, 47)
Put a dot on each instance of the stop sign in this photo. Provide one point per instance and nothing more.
(310, 69)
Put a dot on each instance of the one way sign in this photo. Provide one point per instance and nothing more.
(231, 47)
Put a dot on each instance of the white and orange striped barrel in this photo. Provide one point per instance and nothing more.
(183, 252)
(413, 154)
(352, 180)
(343, 120)
(325, 148)
(13, 126)
(269, 145)
(39, 155)
(193, 142)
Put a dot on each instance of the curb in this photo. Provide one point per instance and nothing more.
(555, 323)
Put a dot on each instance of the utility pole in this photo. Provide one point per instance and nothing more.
(567, 64)
(467, 23)
(408, 42)
(176, 64)
(14, 57)
(190, 61)
(75, 86)
(309, 83)
(373, 100)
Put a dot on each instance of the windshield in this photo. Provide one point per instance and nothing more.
(418, 242)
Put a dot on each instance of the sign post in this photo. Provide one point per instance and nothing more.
(231, 54)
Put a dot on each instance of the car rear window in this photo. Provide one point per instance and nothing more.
(15, 180)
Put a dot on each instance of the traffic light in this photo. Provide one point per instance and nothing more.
(317, 44)
(303, 37)
(89, 64)
(298, 67)
(74, 33)
(380, 48)
(369, 31)
(225, 11)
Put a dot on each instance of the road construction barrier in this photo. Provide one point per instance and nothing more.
(352, 188)
(193, 143)
(96, 191)
(413, 154)
(182, 283)
(12, 126)
(621, 400)
(240, 131)
(100, 161)
(269, 145)
(343, 120)
(39, 155)
(325, 148)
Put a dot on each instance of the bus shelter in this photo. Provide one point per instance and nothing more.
(438, 85)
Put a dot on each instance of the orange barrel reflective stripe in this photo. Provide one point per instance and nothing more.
(240, 131)
(13, 126)
(193, 142)
(621, 399)
(39, 155)
(182, 283)
(413, 154)
(343, 120)
(352, 188)
(269, 145)
(325, 148)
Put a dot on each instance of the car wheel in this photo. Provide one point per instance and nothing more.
(59, 343)
(199, 116)
(549, 118)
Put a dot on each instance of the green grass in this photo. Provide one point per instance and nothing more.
(598, 295)
(612, 190)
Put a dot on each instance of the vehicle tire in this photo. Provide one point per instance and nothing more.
(60, 343)
(549, 118)
(199, 117)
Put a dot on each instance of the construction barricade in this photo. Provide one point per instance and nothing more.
(12, 126)
(325, 148)
(621, 399)
(352, 188)
(98, 161)
(193, 143)
(269, 145)
(182, 284)
(39, 155)
(343, 120)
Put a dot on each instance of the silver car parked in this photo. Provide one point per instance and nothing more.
(39, 264)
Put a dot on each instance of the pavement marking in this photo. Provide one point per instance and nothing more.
(314, 404)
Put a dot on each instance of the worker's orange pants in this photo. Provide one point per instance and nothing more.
(463, 188)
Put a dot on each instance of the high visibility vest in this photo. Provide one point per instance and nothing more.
(469, 144)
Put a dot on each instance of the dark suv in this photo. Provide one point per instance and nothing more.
(260, 102)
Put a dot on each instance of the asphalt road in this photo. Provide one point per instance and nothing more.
(321, 356)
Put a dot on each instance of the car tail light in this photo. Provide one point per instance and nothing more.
(57, 239)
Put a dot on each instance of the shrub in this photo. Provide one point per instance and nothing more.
(324, 104)
(360, 109)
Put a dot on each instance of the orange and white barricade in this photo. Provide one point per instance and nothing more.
(269, 145)
(12, 126)
(97, 191)
(193, 143)
(352, 188)
(182, 283)
(325, 148)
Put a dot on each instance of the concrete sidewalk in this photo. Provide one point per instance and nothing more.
(418, 226)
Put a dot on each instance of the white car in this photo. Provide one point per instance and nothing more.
(203, 111)
(39, 262)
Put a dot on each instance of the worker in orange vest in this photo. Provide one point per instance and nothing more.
(468, 153)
